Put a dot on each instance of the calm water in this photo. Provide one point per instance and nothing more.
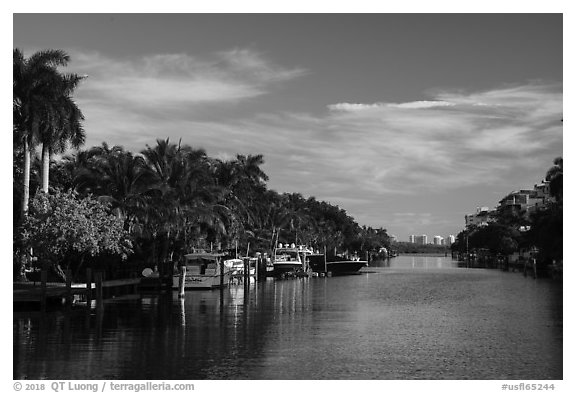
(413, 318)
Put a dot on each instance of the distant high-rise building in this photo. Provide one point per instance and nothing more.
(451, 239)
(421, 239)
(438, 240)
(412, 239)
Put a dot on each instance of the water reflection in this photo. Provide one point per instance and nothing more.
(410, 317)
(416, 262)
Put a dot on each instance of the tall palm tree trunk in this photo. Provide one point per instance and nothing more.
(26, 193)
(21, 275)
(45, 167)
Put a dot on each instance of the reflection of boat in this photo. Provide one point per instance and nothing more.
(336, 265)
(204, 271)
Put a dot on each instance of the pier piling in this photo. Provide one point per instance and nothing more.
(88, 286)
(182, 281)
(99, 292)
(43, 279)
(68, 287)
(246, 270)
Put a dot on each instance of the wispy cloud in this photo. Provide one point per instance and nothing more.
(402, 149)
(172, 81)
(455, 139)
(353, 154)
(354, 107)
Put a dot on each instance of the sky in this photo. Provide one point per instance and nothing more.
(406, 121)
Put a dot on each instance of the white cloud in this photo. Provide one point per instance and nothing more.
(354, 107)
(360, 155)
(178, 80)
(244, 61)
(371, 159)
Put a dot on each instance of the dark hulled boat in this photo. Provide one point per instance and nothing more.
(335, 265)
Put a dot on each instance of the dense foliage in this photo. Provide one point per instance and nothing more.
(513, 231)
(159, 203)
(172, 198)
(64, 229)
(45, 113)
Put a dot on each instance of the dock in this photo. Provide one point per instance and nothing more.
(95, 288)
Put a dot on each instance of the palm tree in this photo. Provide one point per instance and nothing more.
(185, 194)
(34, 85)
(117, 177)
(61, 124)
(247, 169)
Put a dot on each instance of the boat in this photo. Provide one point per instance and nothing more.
(204, 271)
(237, 266)
(269, 266)
(288, 259)
(336, 265)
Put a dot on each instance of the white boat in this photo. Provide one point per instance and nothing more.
(204, 271)
(237, 266)
(290, 259)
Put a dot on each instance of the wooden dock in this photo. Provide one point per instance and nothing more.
(95, 288)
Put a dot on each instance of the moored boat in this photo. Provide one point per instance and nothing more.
(336, 265)
(204, 271)
(288, 259)
(236, 265)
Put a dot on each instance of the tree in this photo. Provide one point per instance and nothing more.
(117, 177)
(497, 238)
(247, 170)
(37, 88)
(61, 124)
(546, 233)
(184, 194)
(554, 176)
(33, 85)
(64, 229)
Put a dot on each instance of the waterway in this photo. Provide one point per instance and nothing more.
(408, 318)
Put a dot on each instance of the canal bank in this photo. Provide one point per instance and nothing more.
(415, 318)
